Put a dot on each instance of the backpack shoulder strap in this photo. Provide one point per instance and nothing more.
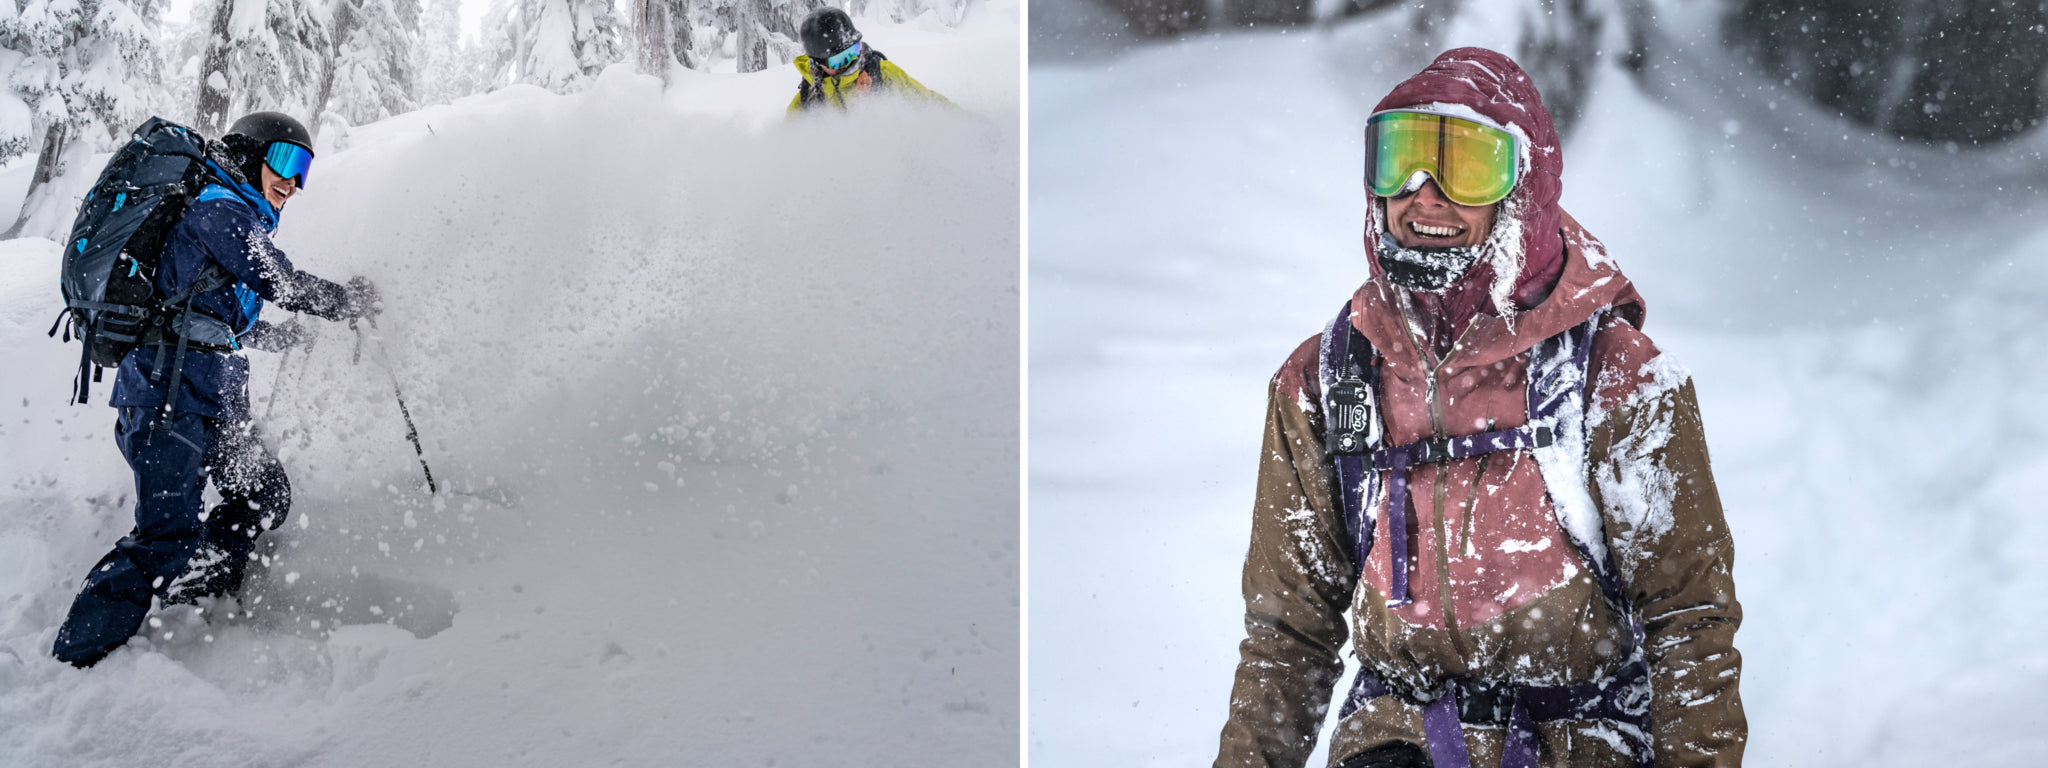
(871, 65)
(1560, 387)
(1351, 426)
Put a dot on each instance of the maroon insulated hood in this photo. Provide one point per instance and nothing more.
(1525, 244)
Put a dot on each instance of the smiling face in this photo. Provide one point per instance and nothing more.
(1426, 219)
(277, 189)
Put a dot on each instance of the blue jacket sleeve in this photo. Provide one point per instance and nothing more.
(234, 237)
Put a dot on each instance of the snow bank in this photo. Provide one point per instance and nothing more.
(724, 410)
(1864, 335)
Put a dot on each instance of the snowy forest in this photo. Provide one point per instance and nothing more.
(80, 74)
(722, 418)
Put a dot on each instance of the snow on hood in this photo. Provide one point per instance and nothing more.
(1488, 87)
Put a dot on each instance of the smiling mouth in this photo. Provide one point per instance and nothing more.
(1435, 231)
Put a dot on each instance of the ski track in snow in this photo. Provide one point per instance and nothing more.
(1865, 340)
(725, 413)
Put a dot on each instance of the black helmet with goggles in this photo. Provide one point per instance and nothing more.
(830, 39)
(278, 140)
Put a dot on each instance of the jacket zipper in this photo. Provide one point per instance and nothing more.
(1443, 470)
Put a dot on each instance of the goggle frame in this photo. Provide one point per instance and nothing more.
(1491, 167)
(843, 59)
(289, 161)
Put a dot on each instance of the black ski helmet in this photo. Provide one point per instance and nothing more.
(250, 138)
(269, 127)
(828, 31)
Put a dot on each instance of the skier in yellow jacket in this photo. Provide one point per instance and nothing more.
(838, 67)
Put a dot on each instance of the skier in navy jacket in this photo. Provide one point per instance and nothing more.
(185, 418)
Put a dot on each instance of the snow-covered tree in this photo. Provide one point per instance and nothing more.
(555, 44)
(661, 36)
(754, 34)
(264, 55)
(953, 11)
(17, 115)
(183, 49)
(372, 74)
(448, 69)
(86, 72)
(749, 24)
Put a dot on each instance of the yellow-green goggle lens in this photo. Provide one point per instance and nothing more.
(1473, 164)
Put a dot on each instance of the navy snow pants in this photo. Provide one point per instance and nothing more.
(175, 552)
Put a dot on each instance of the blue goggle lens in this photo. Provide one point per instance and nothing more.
(841, 59)
(289, 160)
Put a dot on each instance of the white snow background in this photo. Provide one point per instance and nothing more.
(725, 413)
(1867, 323)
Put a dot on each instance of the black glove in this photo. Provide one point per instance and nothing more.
(363, 300)
(276, 337)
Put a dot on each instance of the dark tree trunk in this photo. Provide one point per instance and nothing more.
(345, 16)
(49, 164)
(650, 38)
(211, 115)
(752, 46)
(679, 41)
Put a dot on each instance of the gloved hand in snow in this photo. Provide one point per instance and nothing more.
(276, 337)
(363, 299)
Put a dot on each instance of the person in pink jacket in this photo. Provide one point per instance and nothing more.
(1488, 479)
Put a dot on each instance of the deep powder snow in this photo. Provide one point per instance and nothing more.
(725, 414)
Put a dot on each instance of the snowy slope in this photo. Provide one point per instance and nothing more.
(1865, 336)
(725, 413)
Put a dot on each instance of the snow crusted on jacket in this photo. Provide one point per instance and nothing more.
(1494, 594)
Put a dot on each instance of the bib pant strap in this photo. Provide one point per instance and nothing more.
(1446, 734)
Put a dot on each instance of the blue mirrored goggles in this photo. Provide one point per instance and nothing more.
(289, 160)
(843, 58)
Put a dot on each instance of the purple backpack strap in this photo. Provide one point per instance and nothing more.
(1624, 697)
(1346, 364)
(1546, 401)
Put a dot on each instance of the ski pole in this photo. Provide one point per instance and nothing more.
(412, 433)
(283, 361)
(305, 351)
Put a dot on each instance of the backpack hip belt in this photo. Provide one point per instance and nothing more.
(1353, 436)
(192, 329)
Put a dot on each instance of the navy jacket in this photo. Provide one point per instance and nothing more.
(228, 225)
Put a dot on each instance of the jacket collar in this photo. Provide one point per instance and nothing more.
(1590, 282)
(235, 186)
(843, 79)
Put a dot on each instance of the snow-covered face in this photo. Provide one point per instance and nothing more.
(277, 189)
(1426, 219)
